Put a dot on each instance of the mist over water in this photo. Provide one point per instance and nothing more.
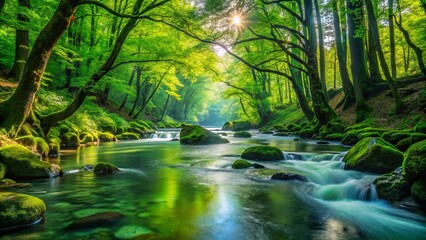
(191, 192)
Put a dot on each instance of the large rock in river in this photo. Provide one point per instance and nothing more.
(263, 153)
(373, 155)
(414, 165)
(19, 210)
(103, 168)
(196, 135)
(21, 163)
(236, 126)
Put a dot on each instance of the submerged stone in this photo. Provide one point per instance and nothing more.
(263, 153)
(103, 219)
(373, 155)
(257, 165)
(131, 231)
(196, 135)
(19, 210)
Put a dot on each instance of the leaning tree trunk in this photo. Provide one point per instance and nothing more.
(323, 112)
(356, 45)
(373, 62)
(375, 34)
(417, 50)
(392, 38)
(16, 109)
(50, 120)
(22, 43)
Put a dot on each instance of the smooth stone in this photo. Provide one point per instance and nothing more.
(103, 219)
(131, 231)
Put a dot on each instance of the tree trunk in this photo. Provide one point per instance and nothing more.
(130, 84)
(48, 121)
(356, 45)
(392, 38)
(22, 43)
(165, 108)
(138, 90)
(323, 112)
(372, 58)
(375, 34)
(16, 109)
(341, 56)
(417, 50)
(321, 49)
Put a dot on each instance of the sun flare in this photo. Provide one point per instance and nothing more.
(236, 20)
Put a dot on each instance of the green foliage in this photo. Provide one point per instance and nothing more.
(28, 141)
(420, 127)
(106, 137)
(70, 140)
(42, 146)
(128, 136)
(3, 170)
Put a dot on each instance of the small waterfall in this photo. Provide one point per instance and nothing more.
(165, 135)
(153, 136)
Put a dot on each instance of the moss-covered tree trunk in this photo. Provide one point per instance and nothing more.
(355, 24)
(50, 120)
(323, 112)
(392, 38)
(16, 109)
(321, 49)
(22, 42)
(341, 56)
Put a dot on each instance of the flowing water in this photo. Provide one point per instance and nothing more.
(191, 192)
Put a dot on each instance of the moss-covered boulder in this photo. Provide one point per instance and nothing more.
(70, 140)
(236, 126)
(19, 210)
(332, 127)
(334, 137)
(414, 165)
(196, 135)
(420, 127)
(107, 137)
(21, 163)
(292, 127)
(241, 164)
(405, 143)
(242, 135)
(350, 138)
(263, 153)
(392, 186)
(103, 168)
(281, 134)
(307, 132)
(356, 127)
(373, 155)
(418, 190)
(128, 136)
(2, 171)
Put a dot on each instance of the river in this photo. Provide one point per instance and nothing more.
(191, 192)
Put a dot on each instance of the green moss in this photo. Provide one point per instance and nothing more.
(128, 136)
(350, 137)
(334, 137)
(193, 134)
(418, 189)
(25, 131)
(28, 141)
(307, 132)
(240, 164)
(142, 127)
(54, 146)
(19, 209)
(242, 135)
(404, 144)
(42, 146)
(54, 132)
(373, 155)
(87, 137)
(332, 127)
(392, 186)
(368, 134)
(292, 127)
(106, 137)
(263, 153)
(394, 137)
(103, 168)
(420, 127)
(357, 127)
(236, 126)
(414, 165)
(22, 163)
(70, 140)
(2, 171)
